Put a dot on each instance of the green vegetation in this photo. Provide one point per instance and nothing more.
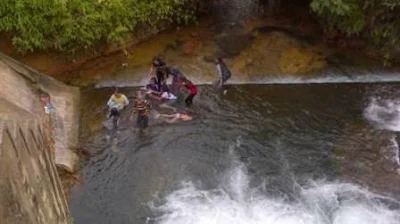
(68, 25)
(375, 20)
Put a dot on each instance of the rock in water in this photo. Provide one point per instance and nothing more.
(232, 44)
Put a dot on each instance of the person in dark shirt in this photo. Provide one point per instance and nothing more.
(223, 72)
(159, 66)
(177, 76)
(153, 85)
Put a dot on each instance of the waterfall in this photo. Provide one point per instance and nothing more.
(233, 11)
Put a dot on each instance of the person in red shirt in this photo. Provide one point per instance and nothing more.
(192, 91)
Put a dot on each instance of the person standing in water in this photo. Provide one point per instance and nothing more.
(141, 107)
(223, 72)
(116, 103)
(118, 100)
(177, 76)
(192, 91)
(160, 68)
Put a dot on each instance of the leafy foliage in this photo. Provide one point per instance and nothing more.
(74, 24)
(377, 20)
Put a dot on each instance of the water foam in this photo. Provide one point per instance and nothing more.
(235, 202)
(384, 114)
(395, 151)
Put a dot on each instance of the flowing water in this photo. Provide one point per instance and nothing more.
(282, 154)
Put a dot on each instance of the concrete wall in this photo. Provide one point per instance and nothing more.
(33, 143)
(20, 89)
(30, 189)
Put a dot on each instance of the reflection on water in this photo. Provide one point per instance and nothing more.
(260, 154)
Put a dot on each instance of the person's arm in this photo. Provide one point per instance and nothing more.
(155, 97)
(220, 74)
(126, 101)
(110, 101)
(133, 112)
(151, 70)
(183, 87)
(154, 92)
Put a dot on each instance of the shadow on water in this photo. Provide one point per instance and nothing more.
(259, 154)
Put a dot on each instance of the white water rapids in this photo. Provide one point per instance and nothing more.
(236, 202)
(384, 114)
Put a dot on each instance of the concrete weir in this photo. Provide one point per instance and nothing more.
(33, 144)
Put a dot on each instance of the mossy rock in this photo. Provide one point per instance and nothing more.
(300, 61)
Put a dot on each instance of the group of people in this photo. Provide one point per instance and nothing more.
(158, 93)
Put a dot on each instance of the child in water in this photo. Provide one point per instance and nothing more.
(192, 91)
(141, 107)
(172, 118)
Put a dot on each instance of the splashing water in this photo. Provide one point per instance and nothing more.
(235, 202)
(395, 151)
(384, 114)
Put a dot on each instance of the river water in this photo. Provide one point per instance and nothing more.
(261, 154)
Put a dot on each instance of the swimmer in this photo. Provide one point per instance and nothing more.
(172, 118)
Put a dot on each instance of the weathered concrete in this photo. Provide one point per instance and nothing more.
(30, 189)
(20, 89)
(33, 143)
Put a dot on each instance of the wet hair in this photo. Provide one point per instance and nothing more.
(220, 61)
(153, 79)
(140, 93)
(158, 59)
(117, 90)
(183, 79)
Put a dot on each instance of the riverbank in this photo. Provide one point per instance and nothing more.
(288, 44)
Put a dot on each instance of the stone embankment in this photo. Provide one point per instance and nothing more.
(33, 144)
